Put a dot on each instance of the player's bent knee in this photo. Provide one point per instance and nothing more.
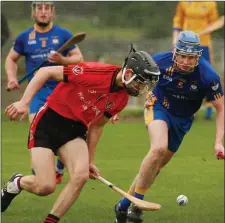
(80, 178)
(46, 189)
(158, 152)
(161, 165)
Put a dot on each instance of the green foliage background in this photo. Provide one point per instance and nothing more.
(152, 17)
(110, 27)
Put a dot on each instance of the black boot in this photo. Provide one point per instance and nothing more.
(121, 216)
(9, 192)
(134, 214)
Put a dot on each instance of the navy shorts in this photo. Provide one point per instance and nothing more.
(51, 130)
(178, 126)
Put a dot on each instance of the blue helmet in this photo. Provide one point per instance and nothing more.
(188, 44)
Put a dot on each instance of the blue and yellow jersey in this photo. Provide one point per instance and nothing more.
(180, 94)
(36, 46)
(196, 16)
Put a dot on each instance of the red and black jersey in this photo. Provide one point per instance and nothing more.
(88, 91)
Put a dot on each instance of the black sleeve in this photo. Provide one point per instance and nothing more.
(107, 115)
(65, 78)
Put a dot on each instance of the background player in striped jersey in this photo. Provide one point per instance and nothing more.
(35, 44)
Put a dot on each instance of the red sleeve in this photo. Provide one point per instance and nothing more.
(91, 68)
(76, 75)
(70, 72)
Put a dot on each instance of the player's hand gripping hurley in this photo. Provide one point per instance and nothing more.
(143, 205)
(79, 37)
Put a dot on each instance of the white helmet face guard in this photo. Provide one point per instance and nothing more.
(137, 86)
(126, 82)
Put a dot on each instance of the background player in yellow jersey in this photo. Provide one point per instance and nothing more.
(196, 16)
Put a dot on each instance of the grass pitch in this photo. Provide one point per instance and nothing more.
(193, 171)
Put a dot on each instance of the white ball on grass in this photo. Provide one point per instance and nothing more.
(182, 200)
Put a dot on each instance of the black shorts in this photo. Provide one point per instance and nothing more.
(51, 130)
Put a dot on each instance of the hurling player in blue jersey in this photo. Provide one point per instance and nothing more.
(35, 44)
(186, 78)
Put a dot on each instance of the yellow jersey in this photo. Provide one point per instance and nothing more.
(196, 16)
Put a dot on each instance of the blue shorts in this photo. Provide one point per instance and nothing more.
(178, 126)
(39, 99)
(206, 53)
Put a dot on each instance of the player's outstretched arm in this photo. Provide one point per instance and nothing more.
(39, 79)
(41, 76)
(219, 148)
(95, 130)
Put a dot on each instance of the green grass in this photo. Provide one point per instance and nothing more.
(77, 24)
(193, 171)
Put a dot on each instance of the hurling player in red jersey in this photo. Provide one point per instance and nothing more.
(89, 94)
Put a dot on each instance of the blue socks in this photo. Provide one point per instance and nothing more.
(124, 203)
(139, 196)
(208, 112)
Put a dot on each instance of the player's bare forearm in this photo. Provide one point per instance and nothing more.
(74, 59)
(11, 64)
(175, 34)
(220, 127)
(95, 130)
(94, 134)
(213, 26)
(11, 68)
(39, 79)
(219, 105)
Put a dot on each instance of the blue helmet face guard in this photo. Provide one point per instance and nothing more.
(187, 45)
